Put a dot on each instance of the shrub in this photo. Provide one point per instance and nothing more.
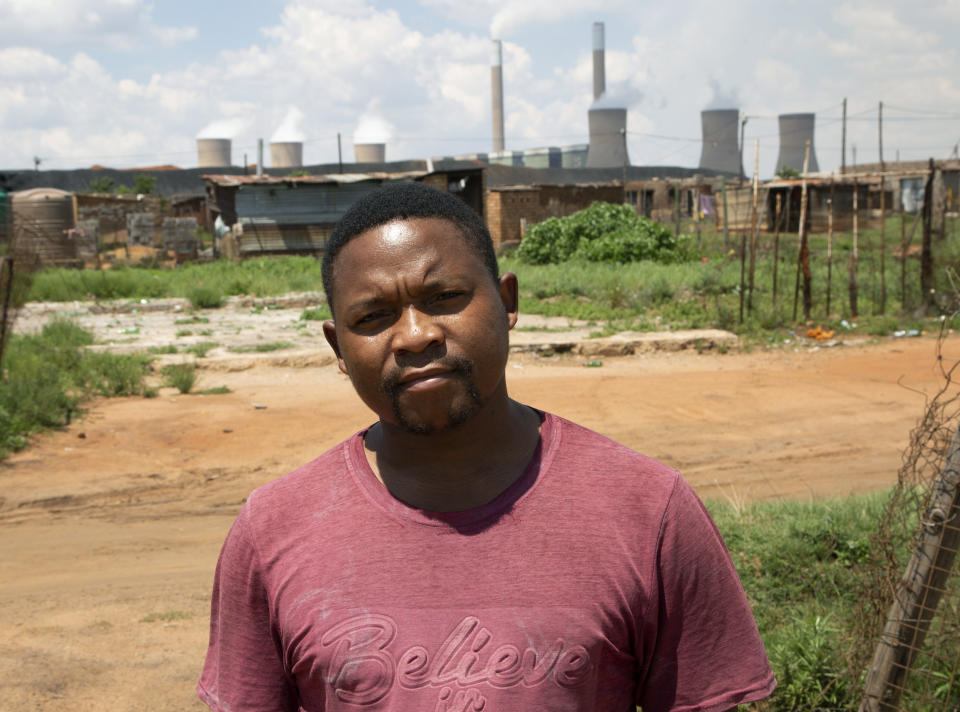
(604, 232)
(181, 376)
(103, 184)
(200, 349)
(202, 296)
(46, 376)
(144, 184)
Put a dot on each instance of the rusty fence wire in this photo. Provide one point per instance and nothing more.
(910, 608)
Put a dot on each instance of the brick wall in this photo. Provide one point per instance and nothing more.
(508, 210)
(111, 212)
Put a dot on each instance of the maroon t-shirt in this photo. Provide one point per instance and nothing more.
(595, 582)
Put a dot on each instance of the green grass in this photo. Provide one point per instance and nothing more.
(195, 319)
(262, 348)
(215, 391)
(691, 294)
(201, 349)
(160, 350)
(317, 313)
(181, 376)
(47, 376)
(801, 566)
(207, 283)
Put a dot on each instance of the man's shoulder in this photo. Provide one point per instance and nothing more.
(324, 477)
(579, 440)
(594, 458)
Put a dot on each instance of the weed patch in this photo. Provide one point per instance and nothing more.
(181, 376)
(47, 376)
(262, 348)
(201, 349)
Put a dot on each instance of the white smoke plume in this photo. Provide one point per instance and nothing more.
(372, 128)
(290, 129)
(224, 128)
(517, 14)
(722, 98)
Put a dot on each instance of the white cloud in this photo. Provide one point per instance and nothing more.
(338, 60)
(28, 63)
(118, 24)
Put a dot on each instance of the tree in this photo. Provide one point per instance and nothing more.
(103, 184)
(144, 184)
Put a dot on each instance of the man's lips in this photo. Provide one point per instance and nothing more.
(412, 378)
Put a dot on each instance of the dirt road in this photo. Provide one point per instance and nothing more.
(110, 529)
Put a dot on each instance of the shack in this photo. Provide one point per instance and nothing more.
(296, 214)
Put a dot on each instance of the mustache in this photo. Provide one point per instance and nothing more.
(457, 365)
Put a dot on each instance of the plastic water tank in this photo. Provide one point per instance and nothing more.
(42, 218)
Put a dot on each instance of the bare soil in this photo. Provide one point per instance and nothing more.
(110, 528)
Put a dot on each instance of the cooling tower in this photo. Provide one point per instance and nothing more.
(370, 152)
(795, 131)
(286, 154)
(496, 85)
(213, 152)
(599, 71)
(720, 152)
(608, 138)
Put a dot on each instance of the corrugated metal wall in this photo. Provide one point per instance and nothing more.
(305, 204)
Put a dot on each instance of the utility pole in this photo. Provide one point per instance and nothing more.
(880, 132)
(743, 125)
(339, 153)
(843, 139)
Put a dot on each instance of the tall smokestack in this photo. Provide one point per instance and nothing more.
(795, 131)
(599, 72)
(496, 83)
(720, 148)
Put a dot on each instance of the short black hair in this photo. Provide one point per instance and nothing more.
(402, 201)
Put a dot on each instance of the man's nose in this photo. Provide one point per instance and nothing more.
(416, 331)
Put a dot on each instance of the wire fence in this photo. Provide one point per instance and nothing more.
(911, 590)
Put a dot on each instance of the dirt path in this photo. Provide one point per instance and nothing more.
(109, 530)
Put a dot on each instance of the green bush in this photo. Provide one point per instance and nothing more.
(202, 296)
(144, 184)
(103, 184)
(47, 376)
(181, 376)
(604, 232)
(809, 673)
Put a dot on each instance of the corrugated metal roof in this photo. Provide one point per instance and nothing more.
(327, 178)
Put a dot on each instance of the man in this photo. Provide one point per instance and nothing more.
(467, 552)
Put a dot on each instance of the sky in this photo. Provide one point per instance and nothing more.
(126, 83)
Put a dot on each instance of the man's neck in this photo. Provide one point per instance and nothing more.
(459, 468)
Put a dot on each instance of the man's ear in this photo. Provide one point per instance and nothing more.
(330, 333)
(510, 296)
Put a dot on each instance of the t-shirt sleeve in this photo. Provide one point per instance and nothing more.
(244, 667)
(706, 653)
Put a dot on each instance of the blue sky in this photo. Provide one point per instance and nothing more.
(129, 83)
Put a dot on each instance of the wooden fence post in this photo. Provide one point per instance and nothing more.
(830, 248)
(854, 251)
(804, 242)
(883, 246)
(776, 252)
(726, 217)
(903, 254)
(926, 256)
(755, 225)
(919, 591)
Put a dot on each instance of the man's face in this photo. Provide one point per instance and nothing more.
(419, 325)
